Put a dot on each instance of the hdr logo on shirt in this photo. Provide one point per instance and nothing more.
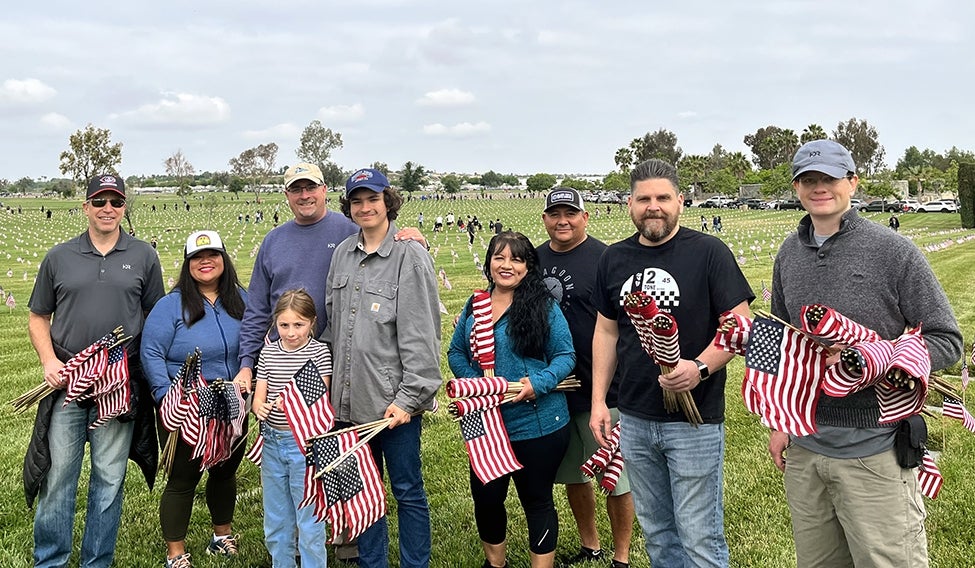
(654, 282)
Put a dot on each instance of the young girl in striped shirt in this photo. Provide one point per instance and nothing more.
(283, 461)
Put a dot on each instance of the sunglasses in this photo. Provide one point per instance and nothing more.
(99, 202)
(298, 190)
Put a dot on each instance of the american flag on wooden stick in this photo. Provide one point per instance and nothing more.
(482, 331)
(929, 477)
(488, 445)
(825, 322)
(113, 393)
(733, 333)
(783, 370)
(305, 404)
(953, 408)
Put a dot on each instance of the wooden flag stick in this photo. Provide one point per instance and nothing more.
(358, 428)
(362, 441)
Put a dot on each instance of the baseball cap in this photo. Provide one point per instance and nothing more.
(303, 171)
(202, 240)
(105, 182)
(825, 156)
(564, 196)
(368, 178)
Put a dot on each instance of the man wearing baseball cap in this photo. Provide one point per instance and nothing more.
(384, 331)
(85, 288)
(852, 503)
(296, 254)
(568, 266)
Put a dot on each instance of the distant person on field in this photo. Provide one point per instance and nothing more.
(569, 269)
(894, 223)
(85, 288)
(852, 504)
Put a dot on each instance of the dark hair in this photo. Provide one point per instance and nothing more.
(654, 169)
(228, 287)
(528, 326)
(391, 198)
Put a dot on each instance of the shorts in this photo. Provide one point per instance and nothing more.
(582, 445)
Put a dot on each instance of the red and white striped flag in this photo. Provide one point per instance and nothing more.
(837, 327)
(766, 293)
(463, 406)
(602, 457)
(874, 359)
(362, 492)
(911, 357)
(953, 408)
(305, 404)
(783, 369)
(666, 340)
(71, 366)
(115, 398)
(488, 445)
(735, 338)
(612, 474)
(482, 331)
(641, 309)
(929, 477)
(476, 386)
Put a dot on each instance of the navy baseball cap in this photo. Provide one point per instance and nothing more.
(368, 178)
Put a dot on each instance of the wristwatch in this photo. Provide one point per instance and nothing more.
(703, 369)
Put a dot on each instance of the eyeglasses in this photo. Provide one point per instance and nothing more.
(100, 202)
(810, 182)
(298, 190)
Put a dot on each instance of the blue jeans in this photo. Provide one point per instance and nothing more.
(400, 448)
(676, 476)
(283, 480)
(54, 518)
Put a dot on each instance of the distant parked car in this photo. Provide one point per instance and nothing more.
(881, 205)
(688, 202)
(754, 203)
(717, 201)
(942, 206)
(856, 203)
(791, 204)
(909, 205)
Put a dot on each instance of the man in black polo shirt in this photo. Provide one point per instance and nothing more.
(99, 280)
(568, 261)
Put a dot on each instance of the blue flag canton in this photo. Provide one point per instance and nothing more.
(208, 402)
(116, 355)
(350, 482)
(472, 426)
(765, 346)
(310, 384)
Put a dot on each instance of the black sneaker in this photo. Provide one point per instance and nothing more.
(618, 564)
(584, 555)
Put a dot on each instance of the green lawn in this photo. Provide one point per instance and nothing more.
(757, 521)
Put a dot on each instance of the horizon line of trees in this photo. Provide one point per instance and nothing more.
(91, 151)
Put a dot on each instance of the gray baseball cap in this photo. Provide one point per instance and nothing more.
(825, 156)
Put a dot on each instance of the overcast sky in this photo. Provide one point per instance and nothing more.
(512, 86)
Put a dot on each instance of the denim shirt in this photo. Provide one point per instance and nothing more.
(383, 327)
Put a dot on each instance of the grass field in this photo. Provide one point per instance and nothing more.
(756, 517)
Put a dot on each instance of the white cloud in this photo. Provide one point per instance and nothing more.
(687, 114)
(460, 130)
(285, 130)
(180, 109)
(446, 98)
(25, 91)
(55, 121)
(342, 113)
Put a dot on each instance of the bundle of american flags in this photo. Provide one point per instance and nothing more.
(342, 481)
(209, 417)
(657, 332)
(608, 461)
(98, 374)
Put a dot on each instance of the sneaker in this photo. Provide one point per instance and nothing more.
(585, 555)
(181, 561)
(618, 564)
(224, 546)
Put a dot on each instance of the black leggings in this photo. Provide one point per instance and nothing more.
(176, 504)
(541, 458)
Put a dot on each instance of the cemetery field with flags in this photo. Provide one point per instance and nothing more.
(756, 516)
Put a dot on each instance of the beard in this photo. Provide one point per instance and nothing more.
(645, 227)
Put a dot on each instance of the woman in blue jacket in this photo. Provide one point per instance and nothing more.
(202, 311)
(532, 346)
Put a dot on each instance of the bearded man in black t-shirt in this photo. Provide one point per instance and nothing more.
(675, 468)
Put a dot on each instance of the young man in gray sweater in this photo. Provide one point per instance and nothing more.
(851, 503)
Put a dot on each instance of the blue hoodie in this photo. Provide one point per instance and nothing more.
(166, 341)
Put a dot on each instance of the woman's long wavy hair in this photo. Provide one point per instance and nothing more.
(528, 325)
(228, 287)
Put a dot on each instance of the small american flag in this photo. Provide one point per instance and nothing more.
(305, 404)
(972, 358)
(783, 371)
(666, 340)
(476, 386)
(115, 397)
(612, 474)
(874, 359)
(735, 338)
(482, 331)
(766, 293)
(929, 477)
(964, 375)
(488, 446)
(953, 408)
(361, 489)
(837, 327)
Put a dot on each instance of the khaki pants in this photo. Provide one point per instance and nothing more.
(862, 512)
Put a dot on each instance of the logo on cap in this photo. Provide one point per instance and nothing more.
(202, 240)
(108, 180)
(562, 196)
(361, 175)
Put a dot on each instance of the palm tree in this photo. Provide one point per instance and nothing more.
(813, 132)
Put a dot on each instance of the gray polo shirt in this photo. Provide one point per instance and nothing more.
(90, 294)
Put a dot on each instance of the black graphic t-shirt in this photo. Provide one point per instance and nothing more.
(692, 276)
